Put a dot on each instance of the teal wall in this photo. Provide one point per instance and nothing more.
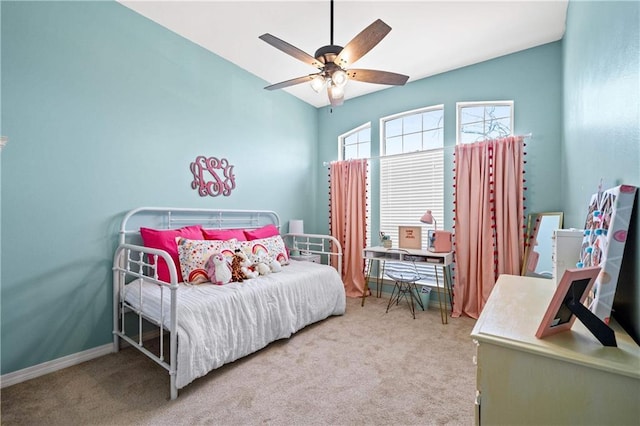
(105, 110)
(601, 135)
(531, 78)
(601, 79)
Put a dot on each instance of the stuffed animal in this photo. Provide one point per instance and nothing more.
(236, 268)
(218, 269)
(275, 266)
(246, 265)
(260, 265)
(240, 267)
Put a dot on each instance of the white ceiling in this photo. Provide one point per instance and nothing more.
(427, 37)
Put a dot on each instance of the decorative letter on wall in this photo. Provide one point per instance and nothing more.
(222, 178)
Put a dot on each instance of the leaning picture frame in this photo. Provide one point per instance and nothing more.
(567, 304)
(410, 237)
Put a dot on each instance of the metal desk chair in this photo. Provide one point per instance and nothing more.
(405, 275)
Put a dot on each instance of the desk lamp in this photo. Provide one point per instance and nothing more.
(439, 241)
(296, 226)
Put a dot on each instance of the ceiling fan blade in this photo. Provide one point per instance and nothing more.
(291, 50)
(362, 43)
(291, 82)
(378, 77)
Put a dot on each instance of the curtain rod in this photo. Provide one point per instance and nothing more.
(326, 163)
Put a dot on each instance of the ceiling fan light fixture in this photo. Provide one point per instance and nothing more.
(339, 78)
(336, 93)
(317, 83)
(333, 60)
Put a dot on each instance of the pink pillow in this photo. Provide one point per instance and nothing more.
(264, 232)
(165, 239)
(223, 234)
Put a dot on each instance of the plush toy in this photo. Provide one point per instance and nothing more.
(260, 265)
(218, 270)
(236, 268)
(247, 265)
(275, 266)
(240, 267)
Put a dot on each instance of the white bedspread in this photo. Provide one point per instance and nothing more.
(219, 324)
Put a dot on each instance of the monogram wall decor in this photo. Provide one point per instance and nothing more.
(212, 176)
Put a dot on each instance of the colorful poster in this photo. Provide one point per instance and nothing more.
(605, 234)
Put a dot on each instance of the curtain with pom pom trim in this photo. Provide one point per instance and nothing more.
(489, 218)
(347, 216)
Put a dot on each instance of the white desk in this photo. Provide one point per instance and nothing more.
(381, 254)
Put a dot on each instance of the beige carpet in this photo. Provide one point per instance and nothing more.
(364, 368)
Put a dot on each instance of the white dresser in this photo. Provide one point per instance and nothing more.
(565, 379)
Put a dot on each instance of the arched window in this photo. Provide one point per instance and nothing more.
(411, 169)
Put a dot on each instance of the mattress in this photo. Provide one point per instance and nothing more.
(219, 324)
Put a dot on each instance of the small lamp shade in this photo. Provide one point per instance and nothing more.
(317, 83)
(339, 78)
(296, 226)
(428, 218)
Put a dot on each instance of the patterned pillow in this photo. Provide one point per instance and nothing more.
(193, 256)
(272, 248)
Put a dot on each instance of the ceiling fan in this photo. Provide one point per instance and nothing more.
(333, 62)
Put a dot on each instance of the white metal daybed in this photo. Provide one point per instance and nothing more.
(210, 325)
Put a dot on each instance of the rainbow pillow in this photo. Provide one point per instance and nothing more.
(271, 248)
(193, 256)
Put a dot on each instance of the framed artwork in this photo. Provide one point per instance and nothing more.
(605, 234)
(567, 304)
(410, 237)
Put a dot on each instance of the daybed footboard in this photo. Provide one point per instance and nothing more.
(130, 263)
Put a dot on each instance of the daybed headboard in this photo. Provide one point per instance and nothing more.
(171, 218)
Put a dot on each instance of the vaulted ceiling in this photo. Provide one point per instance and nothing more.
(427, 37)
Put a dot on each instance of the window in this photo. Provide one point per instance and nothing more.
(356, 144)
(477, 121)
(412, 171)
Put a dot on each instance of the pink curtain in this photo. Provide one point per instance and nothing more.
(347, 216)
(489, 219)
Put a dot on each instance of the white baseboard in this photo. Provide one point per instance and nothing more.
(32, 372)
(53, 365)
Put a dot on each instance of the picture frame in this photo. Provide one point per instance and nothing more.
(567, 304)
(410, 237)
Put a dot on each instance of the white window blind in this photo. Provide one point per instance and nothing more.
(411, 184)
